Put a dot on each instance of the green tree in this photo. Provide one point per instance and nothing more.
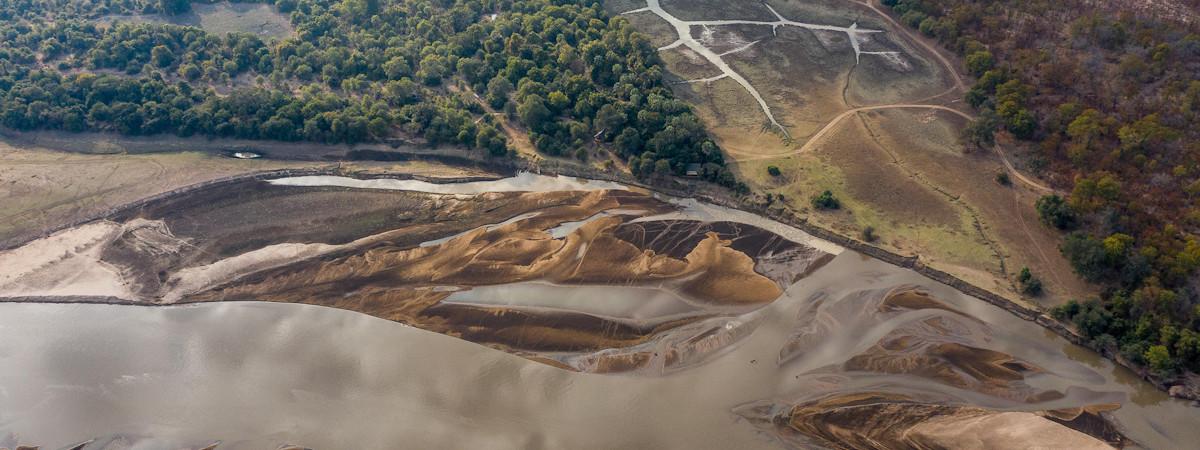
(826, 200)
(174, 7)
(1003, 179)
(1087, 256)
(1030, 285)
(981, 132)
(1055, 212)
(1085, 131)
(979, 62)
(558, 101)
(534, 113)
(1159, 359)
(189, 71)
(498, 90)
(1022, 124)
(397, 67)
(162, 56)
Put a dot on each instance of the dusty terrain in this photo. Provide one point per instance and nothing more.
(903, 173)
(42, 188)
(871, 113)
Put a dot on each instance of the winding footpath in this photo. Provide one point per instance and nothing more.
(683, 29)
(816, 138)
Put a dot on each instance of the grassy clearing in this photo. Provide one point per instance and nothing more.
(660, 32)
(902, 172)
(705, 9)
(223, 18)
(906, 77)
(927, 144)
(908, 217)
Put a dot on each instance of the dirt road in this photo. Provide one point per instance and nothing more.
(836, 120)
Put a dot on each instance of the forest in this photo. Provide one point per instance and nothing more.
(356, 71)
(1108, 99)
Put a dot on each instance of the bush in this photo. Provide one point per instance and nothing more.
(1033, 288)
(1160, 361)
(981, 132)
(1030, 285)
(1055, 212)
(826, 201)
(868, 234)
(1066, 311)
(774, 171)
(1003, 179)
(1025, 275)
(980, 62)
(1087, 256)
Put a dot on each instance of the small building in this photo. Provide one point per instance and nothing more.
(693, 170)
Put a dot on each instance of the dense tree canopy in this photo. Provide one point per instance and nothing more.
(356, 70)
(1109, 101)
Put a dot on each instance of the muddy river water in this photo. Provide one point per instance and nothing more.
(255, 375)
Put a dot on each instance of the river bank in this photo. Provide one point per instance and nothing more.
(1186, 387)
(448, 258)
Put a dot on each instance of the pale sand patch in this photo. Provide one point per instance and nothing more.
(1007, 430)
(523, 182)
(193, 279)
(66, 263)
(695, 210)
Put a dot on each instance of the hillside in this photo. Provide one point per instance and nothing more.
(1106, 102)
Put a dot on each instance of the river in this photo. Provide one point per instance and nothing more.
(255, 375)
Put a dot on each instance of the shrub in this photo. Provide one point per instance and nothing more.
(1055, 212)
(1003, 179)
(1032, 288)
(774, 171)
(1159, 359)
(1087, 256)
(980, 62)
(1030, 285)
(868, 234)
(826, 201)
(1066, 311)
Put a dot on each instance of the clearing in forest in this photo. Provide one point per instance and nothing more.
(840, 97)
(259, 19)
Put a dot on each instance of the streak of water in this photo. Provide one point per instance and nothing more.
(258, 375)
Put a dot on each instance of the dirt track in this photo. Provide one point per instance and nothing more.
(836, 120)
(958, 79)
